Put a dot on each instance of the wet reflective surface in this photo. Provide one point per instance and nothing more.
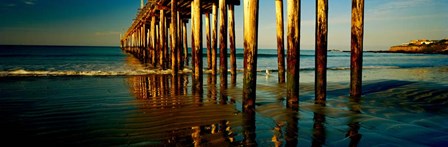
(145, 111)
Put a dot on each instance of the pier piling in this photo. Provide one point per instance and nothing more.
(280, 44)
(250, 53)
(357, 36)
(223, 43)
(208, 43)
(232, 43)
(197, 46)
(174, 41)
(292, 83)
(321, 51)
(214, 36)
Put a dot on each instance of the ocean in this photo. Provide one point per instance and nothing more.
(101, 96)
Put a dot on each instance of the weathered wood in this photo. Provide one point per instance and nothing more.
(162, 29)
(321, 52)
(250, 53)
(214, 36)
(223, 43)
(207, 36)
(357, 36)
(292, 83)
(280, 43)
(232, 43)
(153, 41)
(180, 62)
(197, 82)
(184, 26)
(174, 41)
(192, 39)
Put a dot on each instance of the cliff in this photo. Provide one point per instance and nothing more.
(437, 47)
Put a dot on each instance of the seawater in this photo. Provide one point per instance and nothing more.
(100, 96)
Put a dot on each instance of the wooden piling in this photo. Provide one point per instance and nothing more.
(250, 53)
(214, 38)
(180, 64)
(280, 44)
(232, 43)
(153, 40)
(196, 17)
(207, 36)
(223, 43)
(162, 29)
(174, 41)
(357, 36)
(320, 87)
(184, 28)
(292, 83)
(192, 39)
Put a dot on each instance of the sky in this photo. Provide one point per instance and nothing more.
(100, 22)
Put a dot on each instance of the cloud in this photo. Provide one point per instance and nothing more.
(111, 33)
(387, 8)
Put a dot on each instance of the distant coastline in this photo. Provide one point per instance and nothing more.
(422, 46)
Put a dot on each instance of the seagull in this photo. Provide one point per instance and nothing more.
(268, 72)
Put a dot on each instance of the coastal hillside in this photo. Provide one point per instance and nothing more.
(422, 46)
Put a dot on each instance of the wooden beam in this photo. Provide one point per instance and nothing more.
(214, 36)
(162, 29)
(280, 43)
(207, 36)
(185, 41)
(232, 44)
(197, 19)
(357, 36)
(250, 53)
(223, 43)
(153, 41)
(320, 87)
(292, 83)
(174, 41)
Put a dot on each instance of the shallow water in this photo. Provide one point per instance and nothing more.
(142, 110)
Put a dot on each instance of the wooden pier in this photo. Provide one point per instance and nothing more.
(158, 38)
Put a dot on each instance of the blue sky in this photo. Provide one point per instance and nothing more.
(100, 22)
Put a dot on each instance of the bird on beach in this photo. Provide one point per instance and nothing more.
(268, 72)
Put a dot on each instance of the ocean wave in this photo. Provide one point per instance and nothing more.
(22, 72)
(25, 73)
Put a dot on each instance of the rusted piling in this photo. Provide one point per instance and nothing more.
(208, 43)
(232, 43)
(357, 36)
(214, 36)
(196, 18)
(174, 41)
(280, 47)
(321, 51)
(223, 43)
(292, 83)
(250, 53)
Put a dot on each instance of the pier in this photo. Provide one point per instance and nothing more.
(158, 38)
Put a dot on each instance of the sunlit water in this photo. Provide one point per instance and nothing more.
(402, 105)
